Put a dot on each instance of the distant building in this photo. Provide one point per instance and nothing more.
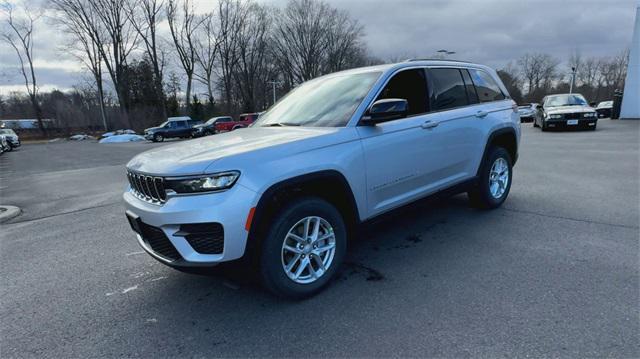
(631, 98)
(24, 124)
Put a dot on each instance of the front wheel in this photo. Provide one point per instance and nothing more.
(158, 138)
(494, 180)
(303, 249)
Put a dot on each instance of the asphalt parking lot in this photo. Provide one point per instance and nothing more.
(552, 273)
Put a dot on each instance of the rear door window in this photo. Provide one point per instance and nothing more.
(486, 87)
(410, 85)
(448, 89)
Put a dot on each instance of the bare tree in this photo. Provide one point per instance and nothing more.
(230, 14)
(19, 35)
(145, 15)
(344, 47)
(207, 45)
(300, 39)
(539, 71)
(252, 71)
(183, 25)
(107, 25)
(83, 47)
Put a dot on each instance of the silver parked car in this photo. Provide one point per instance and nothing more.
(12, 138)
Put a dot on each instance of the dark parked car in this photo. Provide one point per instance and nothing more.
(172, 128)
(528, 112)
(604, 109)
(209, 127)
(566, 111)
(12, 138)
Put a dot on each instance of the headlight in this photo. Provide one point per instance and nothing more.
(206, 183)
(555, 117)
(589, 114)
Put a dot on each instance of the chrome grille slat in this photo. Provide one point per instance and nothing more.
(147, 188)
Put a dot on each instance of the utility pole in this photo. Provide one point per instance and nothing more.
(273, 86)
(573, 79)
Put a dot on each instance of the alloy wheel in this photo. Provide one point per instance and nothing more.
(498, 177)
(308, 250)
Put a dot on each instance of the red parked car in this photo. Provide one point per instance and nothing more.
(244, 120)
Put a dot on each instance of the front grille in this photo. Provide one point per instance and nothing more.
(158, 242)
(205, 238)
(148, 188)
(572, 116)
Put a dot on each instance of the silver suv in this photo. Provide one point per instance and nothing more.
(287, 192)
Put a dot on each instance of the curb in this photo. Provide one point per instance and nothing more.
(8, 212)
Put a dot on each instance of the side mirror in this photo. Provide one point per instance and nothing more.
(385, 110)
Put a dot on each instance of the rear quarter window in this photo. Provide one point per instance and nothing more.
(486, 87)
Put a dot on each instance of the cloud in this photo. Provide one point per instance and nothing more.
(493, 32)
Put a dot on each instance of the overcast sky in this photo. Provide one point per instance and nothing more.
(492, 32)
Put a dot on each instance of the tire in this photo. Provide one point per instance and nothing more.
(158, 138)
(482, 196)
(274, 257)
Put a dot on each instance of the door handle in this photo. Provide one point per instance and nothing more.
(481, 114)
(429, 124)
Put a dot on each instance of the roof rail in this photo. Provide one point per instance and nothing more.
(411, 60)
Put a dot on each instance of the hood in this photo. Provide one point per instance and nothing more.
(194, 156)
(200, 125)
(568, 109)
(151, 129)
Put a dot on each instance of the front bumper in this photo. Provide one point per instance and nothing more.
(13, 142)
(230, 209)
(564, 124)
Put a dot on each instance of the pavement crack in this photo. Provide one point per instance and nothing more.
(569, 218)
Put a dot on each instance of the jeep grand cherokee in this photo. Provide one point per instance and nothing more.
(336, 151)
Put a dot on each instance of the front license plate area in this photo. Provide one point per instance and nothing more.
(572, 122)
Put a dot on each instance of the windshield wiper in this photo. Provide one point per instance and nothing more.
(282, 124)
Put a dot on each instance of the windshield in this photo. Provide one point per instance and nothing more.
(7, 132)
(164, 124)
(565, 100)
(323, 102)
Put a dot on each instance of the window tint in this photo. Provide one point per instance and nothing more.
(448, 89)
(180, 124)
(486, 87)
(471, 90)
(410, 85)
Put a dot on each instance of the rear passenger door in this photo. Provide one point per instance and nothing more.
(494, 108)
(460, 136)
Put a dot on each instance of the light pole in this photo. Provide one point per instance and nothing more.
(444, 53)
(273, 86)
(573, 79)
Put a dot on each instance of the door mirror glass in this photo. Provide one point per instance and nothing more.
(386, 110)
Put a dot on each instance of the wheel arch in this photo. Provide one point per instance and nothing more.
(330, 185)
(503, 137)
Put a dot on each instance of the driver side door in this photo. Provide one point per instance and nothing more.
(401, 161)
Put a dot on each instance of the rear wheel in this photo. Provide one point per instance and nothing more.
(495, 180)
(303, 249)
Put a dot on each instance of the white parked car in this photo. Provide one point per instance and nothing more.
(566, 111)
(604, 109)
(288, 191)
